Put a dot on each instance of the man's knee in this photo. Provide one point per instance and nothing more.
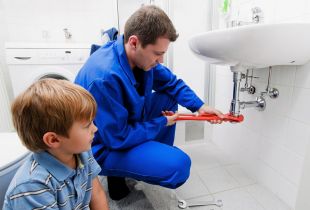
(179, 172)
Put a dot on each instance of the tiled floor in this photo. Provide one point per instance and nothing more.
(214, 177)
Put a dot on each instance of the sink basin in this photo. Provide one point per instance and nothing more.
(255, 46)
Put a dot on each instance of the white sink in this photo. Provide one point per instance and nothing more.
(255, 46)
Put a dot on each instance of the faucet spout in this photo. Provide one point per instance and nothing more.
(68, 35)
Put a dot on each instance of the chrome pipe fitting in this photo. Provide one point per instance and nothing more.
(236, 105)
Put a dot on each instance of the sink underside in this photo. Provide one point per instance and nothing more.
(255, 46)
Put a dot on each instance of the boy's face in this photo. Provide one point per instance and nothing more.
(80, 137)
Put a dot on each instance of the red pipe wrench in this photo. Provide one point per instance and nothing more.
(209, 117)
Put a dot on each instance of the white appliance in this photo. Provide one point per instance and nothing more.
(12, 154)
(29, 62)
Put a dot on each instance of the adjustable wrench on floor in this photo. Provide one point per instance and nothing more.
(183, 204)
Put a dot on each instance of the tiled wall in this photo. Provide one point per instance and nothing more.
(185, 64)
(44, 20)
(270, 145)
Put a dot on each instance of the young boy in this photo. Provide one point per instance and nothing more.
(54, 119)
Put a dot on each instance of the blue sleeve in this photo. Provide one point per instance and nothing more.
(112, 118)
(31, 196)
(165, 80)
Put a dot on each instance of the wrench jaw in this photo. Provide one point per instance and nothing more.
(219, 203)
(182, 204)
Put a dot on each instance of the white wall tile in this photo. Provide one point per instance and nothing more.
(253, 119)
(297, 137)
(283, 75)
(302, 79)
(300, 105)
(185, 64)
(224, 86)
(78, 16)
(262, 75)
(289, 9)
(281, 160)
(302, 19)
(274, 125)
(224, 70)
(222, 103)
(270, 179)
(282, 104)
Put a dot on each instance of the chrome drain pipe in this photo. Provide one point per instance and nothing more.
(236, 105)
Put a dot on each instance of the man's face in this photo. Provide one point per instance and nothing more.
(152, 54)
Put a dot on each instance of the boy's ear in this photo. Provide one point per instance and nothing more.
(51, 139)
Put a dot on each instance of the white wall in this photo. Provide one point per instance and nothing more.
(125, 10)
(185, 64)
(270, 145)
(5, 122)
(44, 21)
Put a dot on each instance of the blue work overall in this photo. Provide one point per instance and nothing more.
(133, 139)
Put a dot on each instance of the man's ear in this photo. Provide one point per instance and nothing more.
(133, 41)
(51, 139)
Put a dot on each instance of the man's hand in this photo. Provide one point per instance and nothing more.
(204, 109)
(171, 117)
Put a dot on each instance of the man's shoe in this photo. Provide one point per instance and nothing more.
(117, 187)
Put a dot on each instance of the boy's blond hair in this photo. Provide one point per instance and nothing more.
(50, 105)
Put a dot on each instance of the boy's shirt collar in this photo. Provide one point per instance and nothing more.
(57, 169)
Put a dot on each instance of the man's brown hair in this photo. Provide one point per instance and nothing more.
(50, 105)
(149, 23)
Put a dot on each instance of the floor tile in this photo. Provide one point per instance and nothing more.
(192, 188)
(201, 157)
(267, 199)
(239, 175)
(237, 199)
(217, 180)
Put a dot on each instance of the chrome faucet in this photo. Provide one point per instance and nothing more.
(257, 17)
(68, 35)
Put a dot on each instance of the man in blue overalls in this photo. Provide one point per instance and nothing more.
(133, 89)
